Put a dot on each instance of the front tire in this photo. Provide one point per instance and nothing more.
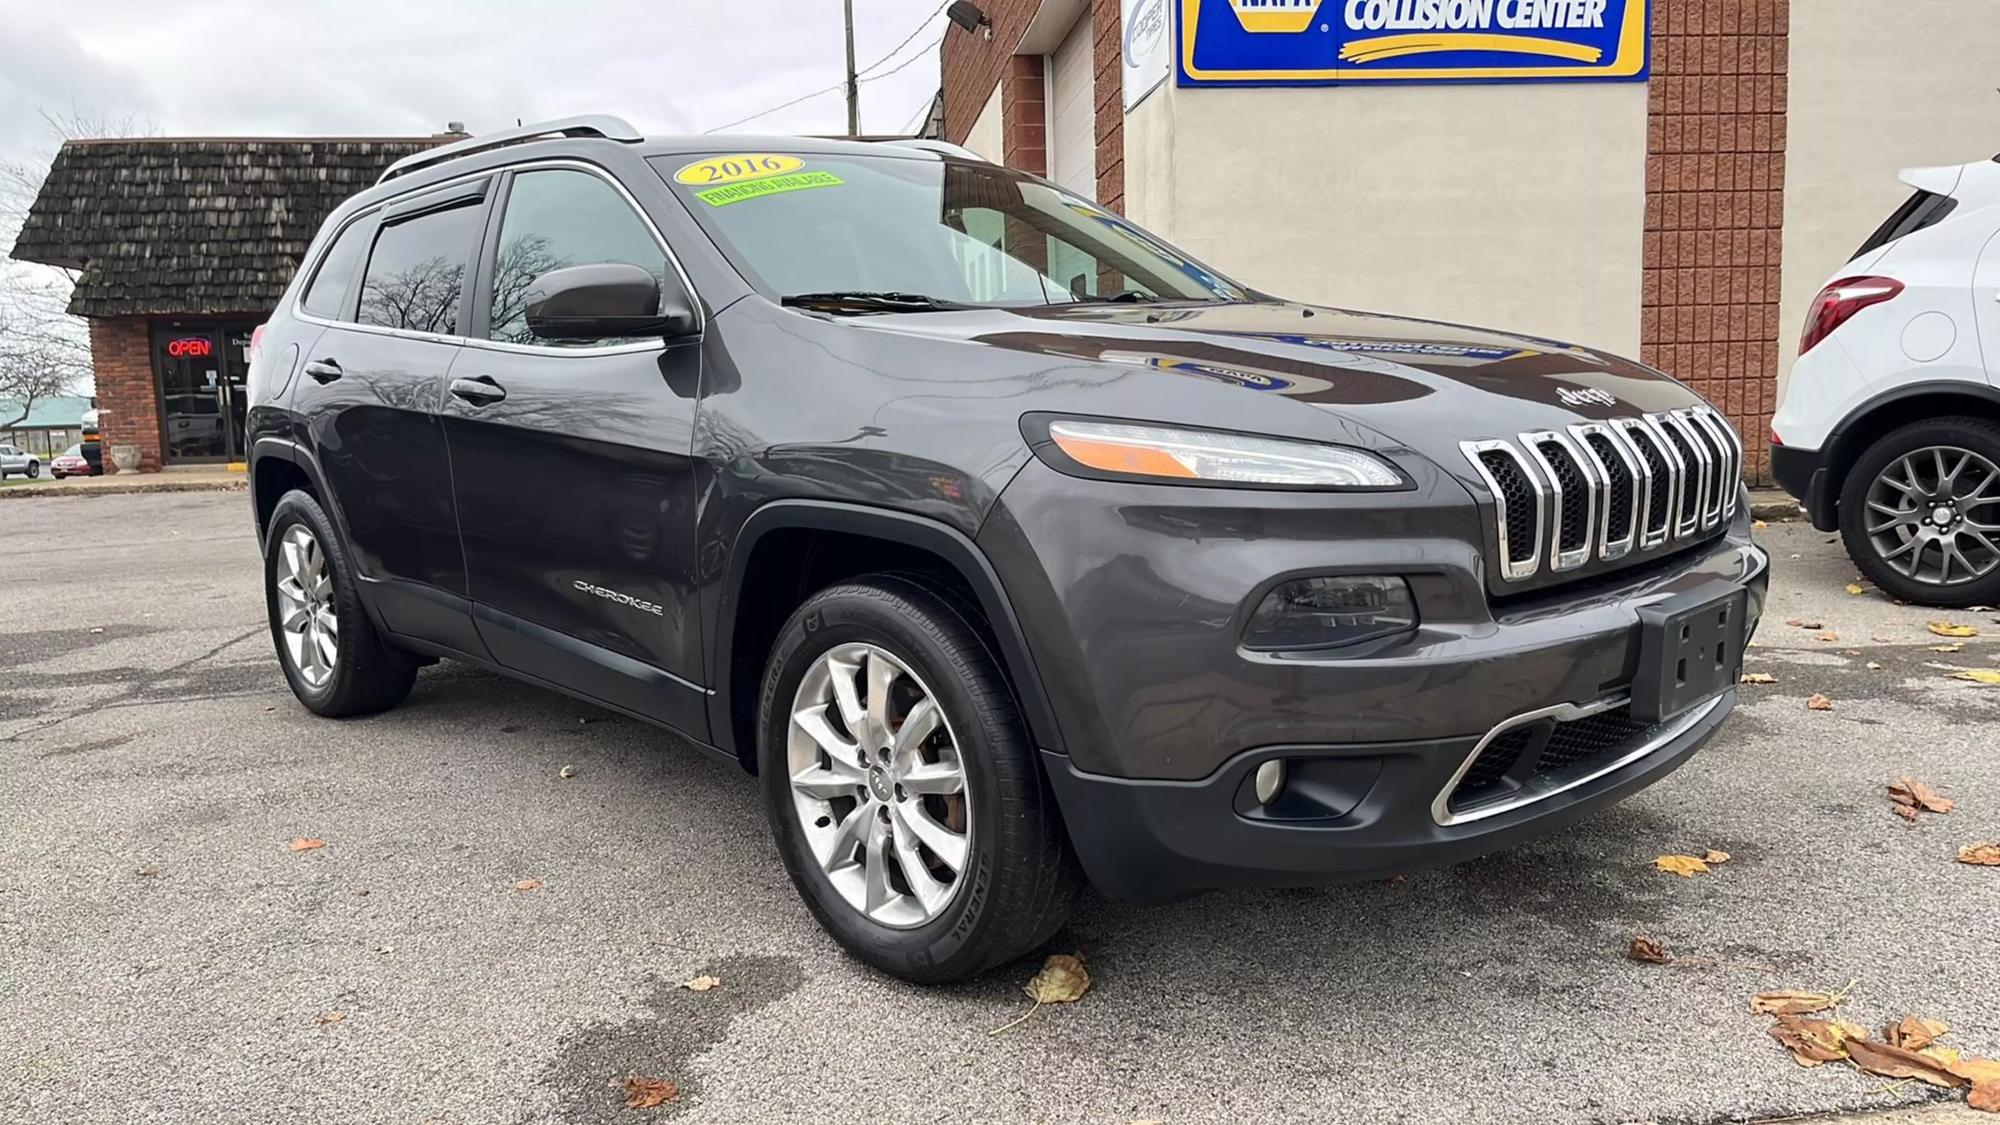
(334, 659)
(1920, 513)
(34, 469)
(903, 789)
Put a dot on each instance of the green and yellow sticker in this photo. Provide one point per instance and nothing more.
(737, 167)
(772, 185)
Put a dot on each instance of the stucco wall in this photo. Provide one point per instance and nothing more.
(985, 137)
(1876, 88)
(1519, 206)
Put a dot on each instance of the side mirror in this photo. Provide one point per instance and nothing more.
(612, 300)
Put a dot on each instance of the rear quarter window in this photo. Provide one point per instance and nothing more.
(1920, 212)
(326, 296)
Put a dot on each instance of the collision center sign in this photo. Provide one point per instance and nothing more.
(1330, 42)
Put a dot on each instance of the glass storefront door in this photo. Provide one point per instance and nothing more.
(202, 370)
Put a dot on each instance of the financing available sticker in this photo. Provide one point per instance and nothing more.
(1329, 42)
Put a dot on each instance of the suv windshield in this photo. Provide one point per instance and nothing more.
(903, 233)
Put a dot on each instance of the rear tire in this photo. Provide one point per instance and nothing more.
(334, 659)
(34, 469)
(1920, 512)
(927, 922)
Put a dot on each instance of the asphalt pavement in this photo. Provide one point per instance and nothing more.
(166, 957)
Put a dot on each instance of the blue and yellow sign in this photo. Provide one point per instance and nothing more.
(1330, 42)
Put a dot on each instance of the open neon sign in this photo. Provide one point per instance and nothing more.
(191, 347)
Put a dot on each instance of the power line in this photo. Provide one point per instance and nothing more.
(862, 74)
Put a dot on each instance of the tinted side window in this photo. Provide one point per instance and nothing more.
(558, 218)
(329, 286)
(1921, 211)
(417, 273)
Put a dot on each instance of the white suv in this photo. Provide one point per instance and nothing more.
(13, 462)
(1890, 427)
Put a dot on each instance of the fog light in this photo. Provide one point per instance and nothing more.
(1332, 611)
(1269, 780)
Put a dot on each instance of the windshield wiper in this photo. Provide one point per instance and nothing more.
(865, 302)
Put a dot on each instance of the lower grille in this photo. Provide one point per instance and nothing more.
(1558, 750)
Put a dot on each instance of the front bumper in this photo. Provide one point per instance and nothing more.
(1155, 841)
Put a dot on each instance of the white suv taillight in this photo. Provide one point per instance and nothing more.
(1837, 304)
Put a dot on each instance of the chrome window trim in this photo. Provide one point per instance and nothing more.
(1510, 570)
(297, 309)
(1560, 560)
(1685, 474)
(1609, 549)
(1665, 734)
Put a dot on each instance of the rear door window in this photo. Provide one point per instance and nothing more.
(416, 274)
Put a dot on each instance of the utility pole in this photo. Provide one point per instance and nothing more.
(853, 86)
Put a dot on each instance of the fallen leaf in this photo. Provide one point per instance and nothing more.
(1799, 624)
(1819, 702)
(1950, 629)
(147, 872)
(1948, 648)
(1758, 525)
(1686, 866)
(1829, 638)
(1063, 980)
(306, 844)
(1647, 950)
(1792, 1002)
(1907, 812)
(646, 1093)
(1983, 854)
(527, 884)
(1913, 1033)
(1856, 588)
(701, 984)
(1715, 858)
(1884, 640)
(1759, 678)
(330, 1017)
(566, 772)
(1984, 1074)
(1894, 1062)
(1813, 1042)
(1916, 794)
(1987, 676)
(1874, 667)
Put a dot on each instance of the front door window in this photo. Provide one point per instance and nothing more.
(202, 402)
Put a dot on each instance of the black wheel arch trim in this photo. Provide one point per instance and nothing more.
(946, 542)
(301, 458)
(1840, 453)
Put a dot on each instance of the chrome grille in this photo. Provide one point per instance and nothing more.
(1601, 491)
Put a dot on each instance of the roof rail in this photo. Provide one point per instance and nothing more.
(932, 144)
(592, 125)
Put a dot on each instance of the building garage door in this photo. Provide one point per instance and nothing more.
(1072, 112)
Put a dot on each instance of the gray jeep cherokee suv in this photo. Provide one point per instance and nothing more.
(1005, 543)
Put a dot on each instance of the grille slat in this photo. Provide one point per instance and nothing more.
(1603, 491)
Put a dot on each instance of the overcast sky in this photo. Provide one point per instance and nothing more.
(347, 67)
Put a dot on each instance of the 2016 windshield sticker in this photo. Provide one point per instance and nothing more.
(775, 185)
(736, 168)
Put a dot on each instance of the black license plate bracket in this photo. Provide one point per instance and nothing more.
(1690, 650)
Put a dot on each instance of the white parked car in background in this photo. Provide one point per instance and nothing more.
(14, 463)
(1890, 426)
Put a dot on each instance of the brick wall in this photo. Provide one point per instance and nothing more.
(972, 65)
(128, 397)
(1110, 92)
(1715, 185)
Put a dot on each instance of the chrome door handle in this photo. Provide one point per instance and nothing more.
(478, 390)
(324, 370)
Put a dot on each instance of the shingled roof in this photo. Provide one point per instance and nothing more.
(194, 225)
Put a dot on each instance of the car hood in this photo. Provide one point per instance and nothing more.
(1423, 383)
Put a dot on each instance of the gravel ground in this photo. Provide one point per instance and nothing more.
(164, 956)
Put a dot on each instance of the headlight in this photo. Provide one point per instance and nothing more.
(1327, 612)
(1127, 451)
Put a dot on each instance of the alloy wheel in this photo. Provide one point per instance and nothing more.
(878, 785)
(1934, 516)
(306, 617)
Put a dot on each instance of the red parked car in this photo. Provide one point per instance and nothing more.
(70, 463)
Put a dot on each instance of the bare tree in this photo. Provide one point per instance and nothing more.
(44, 351)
